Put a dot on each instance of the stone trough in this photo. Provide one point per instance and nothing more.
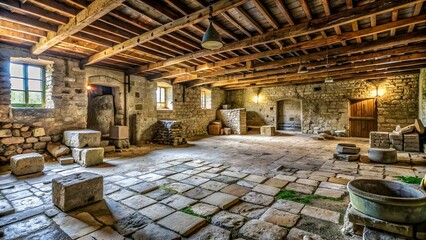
(388, 200)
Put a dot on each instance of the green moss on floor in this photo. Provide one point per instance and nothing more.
(189, 211)
(167, 189)
(301, 198)
(409, 179)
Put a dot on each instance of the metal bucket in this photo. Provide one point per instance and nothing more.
(388, 200)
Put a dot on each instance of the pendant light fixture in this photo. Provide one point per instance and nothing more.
(302, 69)
(328, 79)
(211, 39)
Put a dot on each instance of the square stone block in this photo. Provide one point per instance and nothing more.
(87, 157)
(82, 138)
(28, 163)
(77, 190)
(267, 130)
(119, 132)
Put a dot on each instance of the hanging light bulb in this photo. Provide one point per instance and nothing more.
(211, 39)
(302, 69)
(328, 79)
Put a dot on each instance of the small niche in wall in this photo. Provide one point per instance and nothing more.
(271, 108)
(137, 94)
(317, 89)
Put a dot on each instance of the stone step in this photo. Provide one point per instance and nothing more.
(66, 160)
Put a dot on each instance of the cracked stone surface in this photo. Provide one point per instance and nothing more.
(140, 192)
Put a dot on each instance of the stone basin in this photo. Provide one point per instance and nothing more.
(388, 200)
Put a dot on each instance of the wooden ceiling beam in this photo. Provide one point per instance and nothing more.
(394, 18)
(306, 45)
(417, 10)
(337, 56)
(22, 28)
(180, 23)
(305, 6)
(18, 35)
(341, 18)
(395, 67)
(291, 72)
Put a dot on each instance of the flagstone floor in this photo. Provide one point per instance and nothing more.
(224, 187)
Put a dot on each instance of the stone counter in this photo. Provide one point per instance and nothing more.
(236, 119)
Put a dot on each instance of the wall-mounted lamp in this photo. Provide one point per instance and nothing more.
(256, 97)
(89, 88)
(378, 92)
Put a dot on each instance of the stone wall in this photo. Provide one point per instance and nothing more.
(235, 119)
(422, 95)
(325, 105)
(187, 109)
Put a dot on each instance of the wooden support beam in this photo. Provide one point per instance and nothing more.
(262, 9)
(341, 18)
(306, 9)
(284, 10)
(394, 18)
(218, 7)
(337, 56)
(306, 45)
(84, 18)
(417, 10)
(373, 23)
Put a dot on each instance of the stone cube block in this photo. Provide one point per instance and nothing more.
(267, 130)
(57, 149)
(82, 138)
(77, 190)
(23, 164)
(119, 132)
(87, 157)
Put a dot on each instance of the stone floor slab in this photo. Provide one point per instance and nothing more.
(5, 208)
(197, 193)
(247, 184)
(281, 218)
(204, 209)
(150, 177)
(266, 189)
(158, 194)
(307, 182)
(274, 182)
(298, 234)
(258, 198)
(25, 227)
(153, 231)
(128, 182)
(236, 190)
(286, 178)
(255, 178)
(234, 174)
(288, 206)
(78, 226)
(144, 187)
(131, 223)
(302, 188)
(221, 200)
(211, 232)
(179, 187)
(179, 176)
(26, 203)
(213, 185)
(248, 210)
(228, 220)
(182, 223)
(257, 229)
(138, 201)
(326, 192)
(156, 211)
(120, 195)
(106, 233)
(322, 214)
(333, 186)
(178, 201)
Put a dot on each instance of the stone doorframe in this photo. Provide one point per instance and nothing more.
(277, 111)
(117, 91)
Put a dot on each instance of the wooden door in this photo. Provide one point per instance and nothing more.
(362, 117)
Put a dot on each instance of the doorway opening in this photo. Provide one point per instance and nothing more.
(362, 117)
(289, 115)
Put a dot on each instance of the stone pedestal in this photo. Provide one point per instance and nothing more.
(28, 163)
(82, 138)
(379, 140)
(267, 130)
(87, 157)
(77, 190)
(411, 142)
(119, 132)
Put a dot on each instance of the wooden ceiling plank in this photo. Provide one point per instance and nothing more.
(180, 23)
(340, 18)
(417, 10)
(84, 18)
(314, 43)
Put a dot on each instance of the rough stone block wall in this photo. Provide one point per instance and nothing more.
(422, 95)
(235, 119)
(325, 105)
(187, 109)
